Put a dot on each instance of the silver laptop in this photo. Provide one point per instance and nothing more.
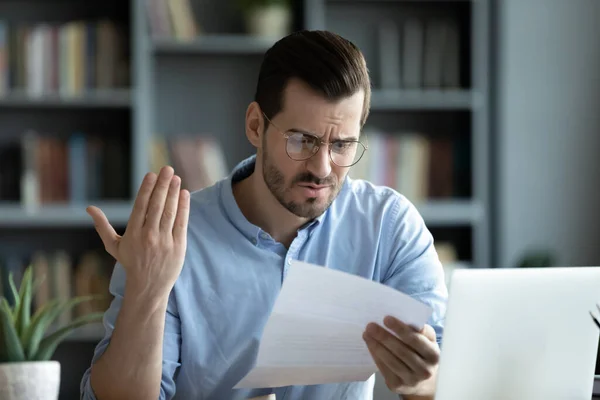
(520, 334)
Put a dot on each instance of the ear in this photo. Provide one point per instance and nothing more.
(254, 124)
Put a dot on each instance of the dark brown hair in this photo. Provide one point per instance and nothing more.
(325, 61)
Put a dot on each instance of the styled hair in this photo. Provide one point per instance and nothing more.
(330, 64)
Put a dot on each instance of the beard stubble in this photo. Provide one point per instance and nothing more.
(275, 181)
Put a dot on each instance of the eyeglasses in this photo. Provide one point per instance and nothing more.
(302, 146)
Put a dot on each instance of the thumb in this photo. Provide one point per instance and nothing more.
(105, 230)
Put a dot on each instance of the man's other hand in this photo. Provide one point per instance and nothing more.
(408, 359)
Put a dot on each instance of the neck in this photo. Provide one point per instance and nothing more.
(262, 209)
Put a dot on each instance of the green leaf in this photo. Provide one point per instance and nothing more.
(44, 318)
(15, 293)
(40, 322)
(25, 335)
(3, 341)
(13, 347)
(23, 311)
(49, 344)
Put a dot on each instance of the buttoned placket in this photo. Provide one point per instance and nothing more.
(294, 250)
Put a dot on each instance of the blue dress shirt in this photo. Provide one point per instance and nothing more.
(233, 272)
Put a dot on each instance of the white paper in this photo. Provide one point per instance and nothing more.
(314, 333)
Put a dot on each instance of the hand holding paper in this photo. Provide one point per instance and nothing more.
(315, 332)
(408, 359)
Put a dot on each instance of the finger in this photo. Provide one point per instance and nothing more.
(107, 233)
(183, 214)
(158, 198)
(140, 206)
(429, 333)
(168, 215)
(399, 350)
(422, 344)
(392, 378)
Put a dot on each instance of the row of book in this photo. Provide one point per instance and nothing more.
(421, 53)
(172, 18)
(43, 168)
(419, 166)
(49, 169)
(63, 276)
(66, 59)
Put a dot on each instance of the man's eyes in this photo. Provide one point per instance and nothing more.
(338, 144)
(309, 139)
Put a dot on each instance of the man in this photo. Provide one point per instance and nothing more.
(203, 270)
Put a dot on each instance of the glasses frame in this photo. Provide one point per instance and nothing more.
(319, 143)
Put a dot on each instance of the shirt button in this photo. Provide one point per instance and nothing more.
(289, 262)
(264, 235)
(253, 240)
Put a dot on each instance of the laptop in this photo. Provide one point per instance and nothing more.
(520, 334)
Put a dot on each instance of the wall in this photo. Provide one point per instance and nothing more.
(549, 130)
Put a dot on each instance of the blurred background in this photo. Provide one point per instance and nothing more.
(485, 114)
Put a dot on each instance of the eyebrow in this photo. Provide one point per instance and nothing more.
(346, 139)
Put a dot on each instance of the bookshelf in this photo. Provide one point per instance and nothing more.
(68, 113)
(200, 86)
(407, 99)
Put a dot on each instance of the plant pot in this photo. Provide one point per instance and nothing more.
(269, 21)
(31, 380)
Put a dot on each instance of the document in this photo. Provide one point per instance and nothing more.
(314, 333)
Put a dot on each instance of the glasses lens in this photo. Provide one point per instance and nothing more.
(346, 154)
(300, 146)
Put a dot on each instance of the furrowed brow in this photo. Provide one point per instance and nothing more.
(296, 130)
(342, 139)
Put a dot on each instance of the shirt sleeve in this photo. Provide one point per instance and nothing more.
(414, 266)
(171, 340)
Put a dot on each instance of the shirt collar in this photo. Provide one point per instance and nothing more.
(239, 172)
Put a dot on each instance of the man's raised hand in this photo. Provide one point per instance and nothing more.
(152, 249)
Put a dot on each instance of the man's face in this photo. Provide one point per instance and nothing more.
(307, 188)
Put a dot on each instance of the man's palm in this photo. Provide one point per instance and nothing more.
(153, 247)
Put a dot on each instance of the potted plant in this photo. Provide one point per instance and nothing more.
(27, 344)
(537, 259)
(267, 18)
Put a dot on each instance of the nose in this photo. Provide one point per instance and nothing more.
(320, 164)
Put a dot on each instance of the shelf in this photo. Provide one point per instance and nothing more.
(117, 98)
(213, 44)
(450, 212)
(15, 215)
(427, 99)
